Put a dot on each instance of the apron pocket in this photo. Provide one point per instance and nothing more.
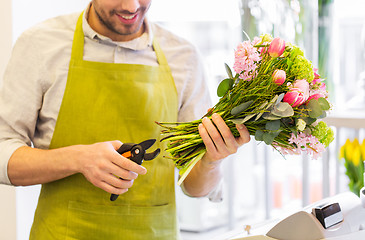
(88, 221)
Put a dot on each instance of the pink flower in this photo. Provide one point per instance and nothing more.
(246, 57)
(279, 76)
(294, 97)
(303, 85)
(277, 47)
(316, 75)
(308, 143)
(315, 96)
(256, 40)
(297, 94)
(287, 150)
(317, 88)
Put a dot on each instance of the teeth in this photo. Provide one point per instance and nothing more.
(128, 17)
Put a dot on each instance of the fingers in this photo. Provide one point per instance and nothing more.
(244, 134)
(123, 163)
(115, 185)
(229, 139)
(105, 168)
(218, 138)
(126, 163)
(214, 137)
(111, 189)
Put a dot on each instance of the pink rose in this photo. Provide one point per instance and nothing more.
(297, 94)
(315, 96)
(294, 97)
(291, 97)
(277, 47)
(279, 76)
(303, 85)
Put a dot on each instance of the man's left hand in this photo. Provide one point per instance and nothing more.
(219, 140)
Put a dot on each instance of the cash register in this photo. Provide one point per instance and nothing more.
(341, 217)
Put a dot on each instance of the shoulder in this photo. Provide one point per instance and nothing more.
(59, 23)
(57, 28)
(49, 39)
(45, 48)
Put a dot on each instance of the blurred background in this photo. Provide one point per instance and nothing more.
(259, 184)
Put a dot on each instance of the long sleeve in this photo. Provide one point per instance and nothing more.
(20, 101)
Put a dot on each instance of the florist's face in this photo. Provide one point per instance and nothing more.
(120, 20)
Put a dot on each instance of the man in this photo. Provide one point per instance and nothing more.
(78, 84)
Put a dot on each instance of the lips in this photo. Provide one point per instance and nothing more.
(127, 18)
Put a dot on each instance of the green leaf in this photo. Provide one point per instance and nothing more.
(309, 120)
(270, 116)
(228, 70)
(307, 131)
(237, 120)
(248, 117)
(287, 121)
(270, 136)
(274, 98)
(323, 115)
(240, 108)
(280, 98)
(273, 125)
(263, 106)
(259, 135)
(224, 86)
(324, 104)
(315, 109)
(282, 106)
(242, 120)
(283, 109)
(259, 115)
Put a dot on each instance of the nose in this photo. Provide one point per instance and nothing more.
(130, 5)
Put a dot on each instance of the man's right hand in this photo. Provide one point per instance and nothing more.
(100, 163)
(105, 168)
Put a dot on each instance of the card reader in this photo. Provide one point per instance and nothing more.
(328, 215)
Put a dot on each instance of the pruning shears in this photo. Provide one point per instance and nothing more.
(137, 153)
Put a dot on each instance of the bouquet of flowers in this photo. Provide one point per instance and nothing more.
(354, 155)
(275, 92)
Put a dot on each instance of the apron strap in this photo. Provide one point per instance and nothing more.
(159, 54)
(77, 52)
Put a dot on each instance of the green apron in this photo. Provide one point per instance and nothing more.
(102, 102)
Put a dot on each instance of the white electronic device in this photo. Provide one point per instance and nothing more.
(341, 217)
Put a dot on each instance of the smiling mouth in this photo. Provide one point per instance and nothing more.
(127, 17)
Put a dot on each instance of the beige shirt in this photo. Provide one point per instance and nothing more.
(35, 79)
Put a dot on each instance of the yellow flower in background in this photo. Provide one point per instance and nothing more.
(356, 143)
(347, 148)
(353, 151)
(354, 155)
(342, 152)
(362, 148)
